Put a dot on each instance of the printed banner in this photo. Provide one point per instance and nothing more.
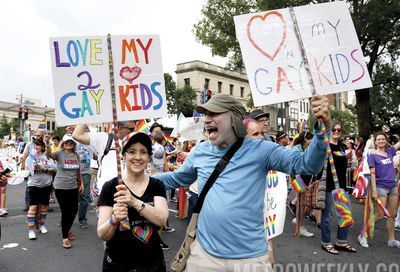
(272, 54)
(139, 78)
(275, 204)
(81, 79)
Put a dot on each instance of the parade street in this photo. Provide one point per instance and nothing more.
(46, 254)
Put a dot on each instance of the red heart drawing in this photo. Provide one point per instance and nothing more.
(263, 18)
(130, 74)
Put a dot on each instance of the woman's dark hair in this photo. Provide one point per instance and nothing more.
(158, 137)
(302, 138)
(40, 143)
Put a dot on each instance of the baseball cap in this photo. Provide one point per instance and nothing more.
(68, 137)
(136, 137)
(257, 113)
(221, 103)
(280, 135)
(158, 154)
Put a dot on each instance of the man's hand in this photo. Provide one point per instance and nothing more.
(320, 108)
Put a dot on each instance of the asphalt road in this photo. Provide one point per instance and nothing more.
(292, 254)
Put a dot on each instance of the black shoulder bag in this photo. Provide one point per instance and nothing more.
(178, 264)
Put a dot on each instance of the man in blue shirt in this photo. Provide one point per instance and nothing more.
(230, 230)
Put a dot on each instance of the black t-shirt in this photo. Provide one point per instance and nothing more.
(340, 160)
(141, 244)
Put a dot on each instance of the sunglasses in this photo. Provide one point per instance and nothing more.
(69, 142)
(337, 130)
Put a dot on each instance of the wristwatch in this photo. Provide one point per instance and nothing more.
(142, 207)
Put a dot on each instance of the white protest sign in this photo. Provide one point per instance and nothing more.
(275, 204)
(81, 80)
(272, 55)
(139, 78)
(190, 128)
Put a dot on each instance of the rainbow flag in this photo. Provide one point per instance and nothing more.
(142, 126)
(384, 210)
(369, 217)
(298, 184)
(42, 125)
(169, 138)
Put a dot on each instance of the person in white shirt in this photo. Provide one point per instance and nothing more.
(98, 143)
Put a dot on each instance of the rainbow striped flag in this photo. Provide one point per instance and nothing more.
(42, 124)
(142, 126)
(298, 184)
(169, 138)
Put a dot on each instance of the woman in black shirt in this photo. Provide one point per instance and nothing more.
(142, 200)
(340, 161)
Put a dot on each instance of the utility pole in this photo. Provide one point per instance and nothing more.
(21, 120)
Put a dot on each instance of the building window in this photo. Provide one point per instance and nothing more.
(53, 125)
(241, 91)
(206, 83)
(231, 89)
(294, 114)
(307, 107)
(301, 106)
(219, 87)
(48, 125)
(187, 81)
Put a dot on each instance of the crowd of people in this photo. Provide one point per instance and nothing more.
(83, 162)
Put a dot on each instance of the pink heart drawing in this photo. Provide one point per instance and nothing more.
(130, 74)
(263, 18)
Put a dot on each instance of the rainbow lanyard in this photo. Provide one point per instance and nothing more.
(339, 153)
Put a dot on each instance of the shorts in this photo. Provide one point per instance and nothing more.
(39, 196)
(384, 192)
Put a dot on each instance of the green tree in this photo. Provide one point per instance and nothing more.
(250, 102)
(4, 127)
(385, 98)
(184, 98)
(170, 88)
(377, 23)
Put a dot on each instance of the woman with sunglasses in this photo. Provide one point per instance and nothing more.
(340, 161)
(67, 185)
(383, 185)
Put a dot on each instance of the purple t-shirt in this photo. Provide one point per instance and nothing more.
(384, 168)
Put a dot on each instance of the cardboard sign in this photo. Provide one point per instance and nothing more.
(275, 204)
(273, 59)
(189, 128)
(139, 78)
(81, 79)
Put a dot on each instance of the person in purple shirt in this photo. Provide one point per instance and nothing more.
(383, 182)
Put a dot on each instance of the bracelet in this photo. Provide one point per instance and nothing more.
(142, 207)
(113, 222)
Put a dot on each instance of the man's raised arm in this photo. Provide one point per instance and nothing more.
(81, 135)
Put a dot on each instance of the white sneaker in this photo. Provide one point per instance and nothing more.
(294, 220)
(1, 213)
(304, 232)
(4, 210)
(43, 229)
(363, 241)
(31, 235)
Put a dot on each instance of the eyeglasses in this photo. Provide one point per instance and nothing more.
(338, 130)
(263, 120)
(69, 143)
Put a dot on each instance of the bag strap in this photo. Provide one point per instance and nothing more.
(217, 171)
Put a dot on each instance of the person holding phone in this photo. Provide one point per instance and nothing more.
(39, 188)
